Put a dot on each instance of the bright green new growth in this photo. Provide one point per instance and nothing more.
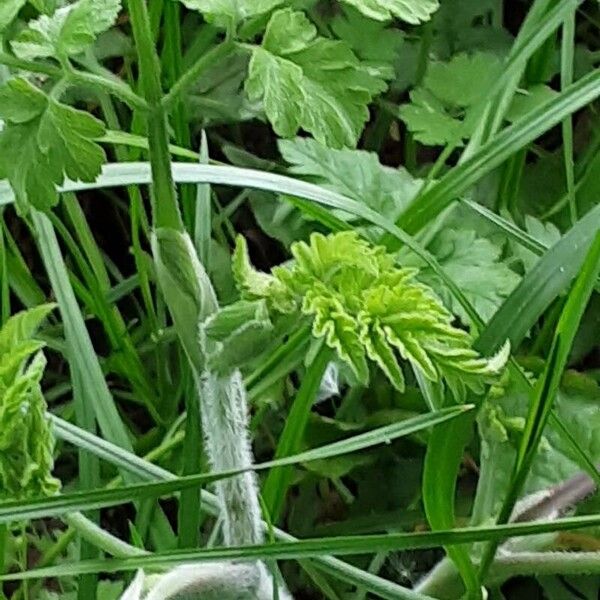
(368, 309)
(26, 442)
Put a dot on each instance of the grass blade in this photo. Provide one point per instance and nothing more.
(59, 505)
(444, 455)
(493, 153)
(318, 547)
(278, 481)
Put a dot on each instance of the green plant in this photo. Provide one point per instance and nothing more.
(415, 183)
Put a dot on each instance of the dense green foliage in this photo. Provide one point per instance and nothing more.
(327, 313)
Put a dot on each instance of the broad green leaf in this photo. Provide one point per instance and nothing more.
(527, 100)
(9, 10)
(440, 110)
(372, 41)
(356, 174)
(223, 12)
(43, 142)
(411, 11)
(310, 82)
(69, 31)
(474, 263)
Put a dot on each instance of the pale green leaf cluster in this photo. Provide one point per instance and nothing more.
(43, 142)
(226, 12)
(475, 264)
(309, 82)
(411, 11)
(369, 311)
(26, 442)
(68, 31)
(442, 109)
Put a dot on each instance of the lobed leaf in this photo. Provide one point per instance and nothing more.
(43, 142)
(310, 82)
(357, 174)
(68, 31)
(444, 109)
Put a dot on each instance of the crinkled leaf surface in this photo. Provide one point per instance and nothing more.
(26, 443)
(368, 310)
(411, 11)
(43, 142)
(309, 82)
(69, 31)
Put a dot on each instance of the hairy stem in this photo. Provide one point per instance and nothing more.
(225, 418)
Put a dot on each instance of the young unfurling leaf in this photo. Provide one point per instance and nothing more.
(43, 142)
(368, 309)
(69, 31)
(26, 442)
(310, 82)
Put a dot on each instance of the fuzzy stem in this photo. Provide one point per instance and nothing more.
(225, 418)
